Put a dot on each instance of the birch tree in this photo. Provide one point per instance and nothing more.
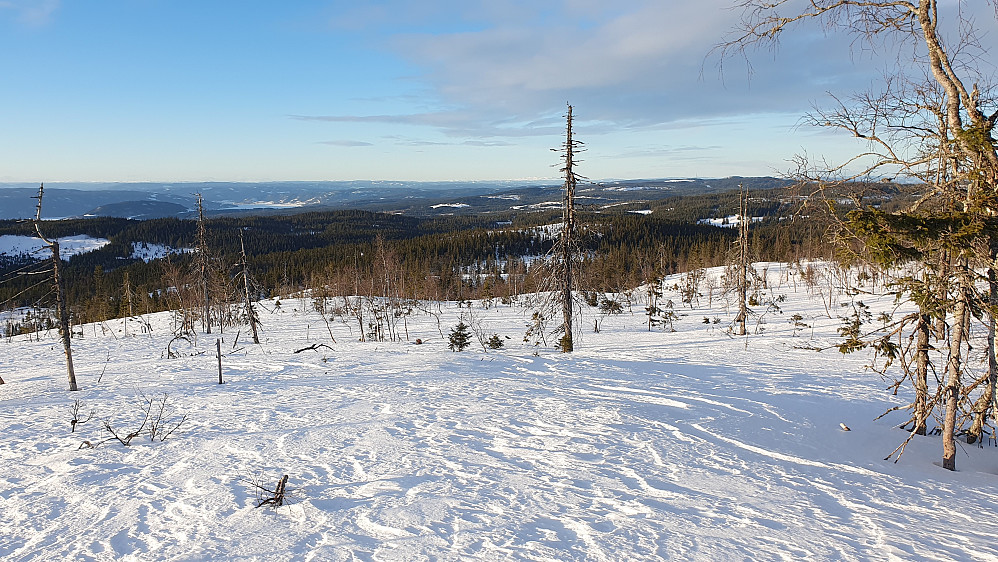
(930, 121)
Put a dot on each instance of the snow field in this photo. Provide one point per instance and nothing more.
(638, 446)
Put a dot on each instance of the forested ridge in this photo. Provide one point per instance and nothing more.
(443, 258)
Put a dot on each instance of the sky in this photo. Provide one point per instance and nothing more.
(183, 90)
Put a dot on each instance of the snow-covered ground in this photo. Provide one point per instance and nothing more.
(147, 252)
(13, 245)
(32, 247)
(640, 445)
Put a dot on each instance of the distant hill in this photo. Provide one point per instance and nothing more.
(140, 210)
(20, 202)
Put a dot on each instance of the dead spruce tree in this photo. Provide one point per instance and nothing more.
(930, 122)
(558, 283)
(251, 316)
(567, 240)
(60, 292)
(202, 265)
(743, 260)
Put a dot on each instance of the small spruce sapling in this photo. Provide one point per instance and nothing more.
(536, 330)
(798, 323)
(460, 337)
(495, 342)
(669, 316)
(851, 329)
(653, 311)
(607, 307)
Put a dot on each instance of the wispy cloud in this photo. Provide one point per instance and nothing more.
(484, 143)
(668, 151)
(502, 70)
(30, 12)
(509, 66)
(410, 141)
(348, 143)
(463, 124)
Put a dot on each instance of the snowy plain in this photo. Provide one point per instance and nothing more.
(640, 445)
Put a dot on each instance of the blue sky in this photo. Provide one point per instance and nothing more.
(182, 90)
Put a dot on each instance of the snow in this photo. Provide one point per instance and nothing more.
(289, 204)
(730, 221)
(147, 252)
(640, 445)
(541, 205)
(13, 245)
(454, 205)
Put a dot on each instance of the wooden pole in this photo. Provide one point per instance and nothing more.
(218, 352)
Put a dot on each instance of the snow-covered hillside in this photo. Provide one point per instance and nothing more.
(11, 245)
(641, 445)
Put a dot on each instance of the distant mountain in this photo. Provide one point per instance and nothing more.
(64, 200)
(148, 200)
(20, 202)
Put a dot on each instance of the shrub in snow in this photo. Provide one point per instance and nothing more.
(158, 422)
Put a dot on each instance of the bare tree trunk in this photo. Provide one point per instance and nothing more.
(944, 269)
(360, 299)
(954, 366)
(250, 311)
(127, 286)
(65, 329)
(60, 291)
(993, 343)
(985, 404)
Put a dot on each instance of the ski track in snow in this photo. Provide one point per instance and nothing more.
(638, 446)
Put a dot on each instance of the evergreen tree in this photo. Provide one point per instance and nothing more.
(460, 337)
